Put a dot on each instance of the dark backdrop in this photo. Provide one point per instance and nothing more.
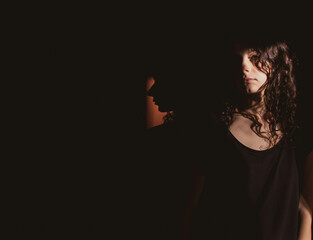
(76, 107)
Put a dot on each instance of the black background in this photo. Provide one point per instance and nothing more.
(76, 104)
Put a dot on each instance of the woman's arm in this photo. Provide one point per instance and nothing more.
(306, 201)
(306, 220)
(308, 180)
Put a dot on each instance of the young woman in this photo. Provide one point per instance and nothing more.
(247, 181)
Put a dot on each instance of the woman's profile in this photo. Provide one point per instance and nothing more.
(246, 182)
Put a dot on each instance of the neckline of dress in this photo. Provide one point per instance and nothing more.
(254, 150)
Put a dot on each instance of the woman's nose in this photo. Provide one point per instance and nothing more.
(246, 64)
(246, 67)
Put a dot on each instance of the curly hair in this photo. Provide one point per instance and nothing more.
(278, 62)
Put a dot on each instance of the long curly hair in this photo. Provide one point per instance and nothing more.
(278, 62)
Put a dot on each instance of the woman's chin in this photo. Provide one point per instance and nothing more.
(251, 90)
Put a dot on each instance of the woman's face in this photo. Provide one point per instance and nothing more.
(253, 78)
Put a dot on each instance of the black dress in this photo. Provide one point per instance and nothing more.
(248, 194)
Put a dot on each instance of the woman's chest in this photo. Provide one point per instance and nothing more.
(241, 129)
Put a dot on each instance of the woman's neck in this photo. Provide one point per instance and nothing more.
(254, 104)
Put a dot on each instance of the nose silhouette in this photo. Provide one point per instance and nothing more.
(149, 86)
(150, 92)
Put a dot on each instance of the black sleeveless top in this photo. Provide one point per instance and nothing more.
(248, 194)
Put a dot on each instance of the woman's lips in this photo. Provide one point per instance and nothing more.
(248, 80)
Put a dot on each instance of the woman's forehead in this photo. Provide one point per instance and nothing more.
(244, 51)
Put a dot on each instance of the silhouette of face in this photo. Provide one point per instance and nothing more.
(163, 93)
